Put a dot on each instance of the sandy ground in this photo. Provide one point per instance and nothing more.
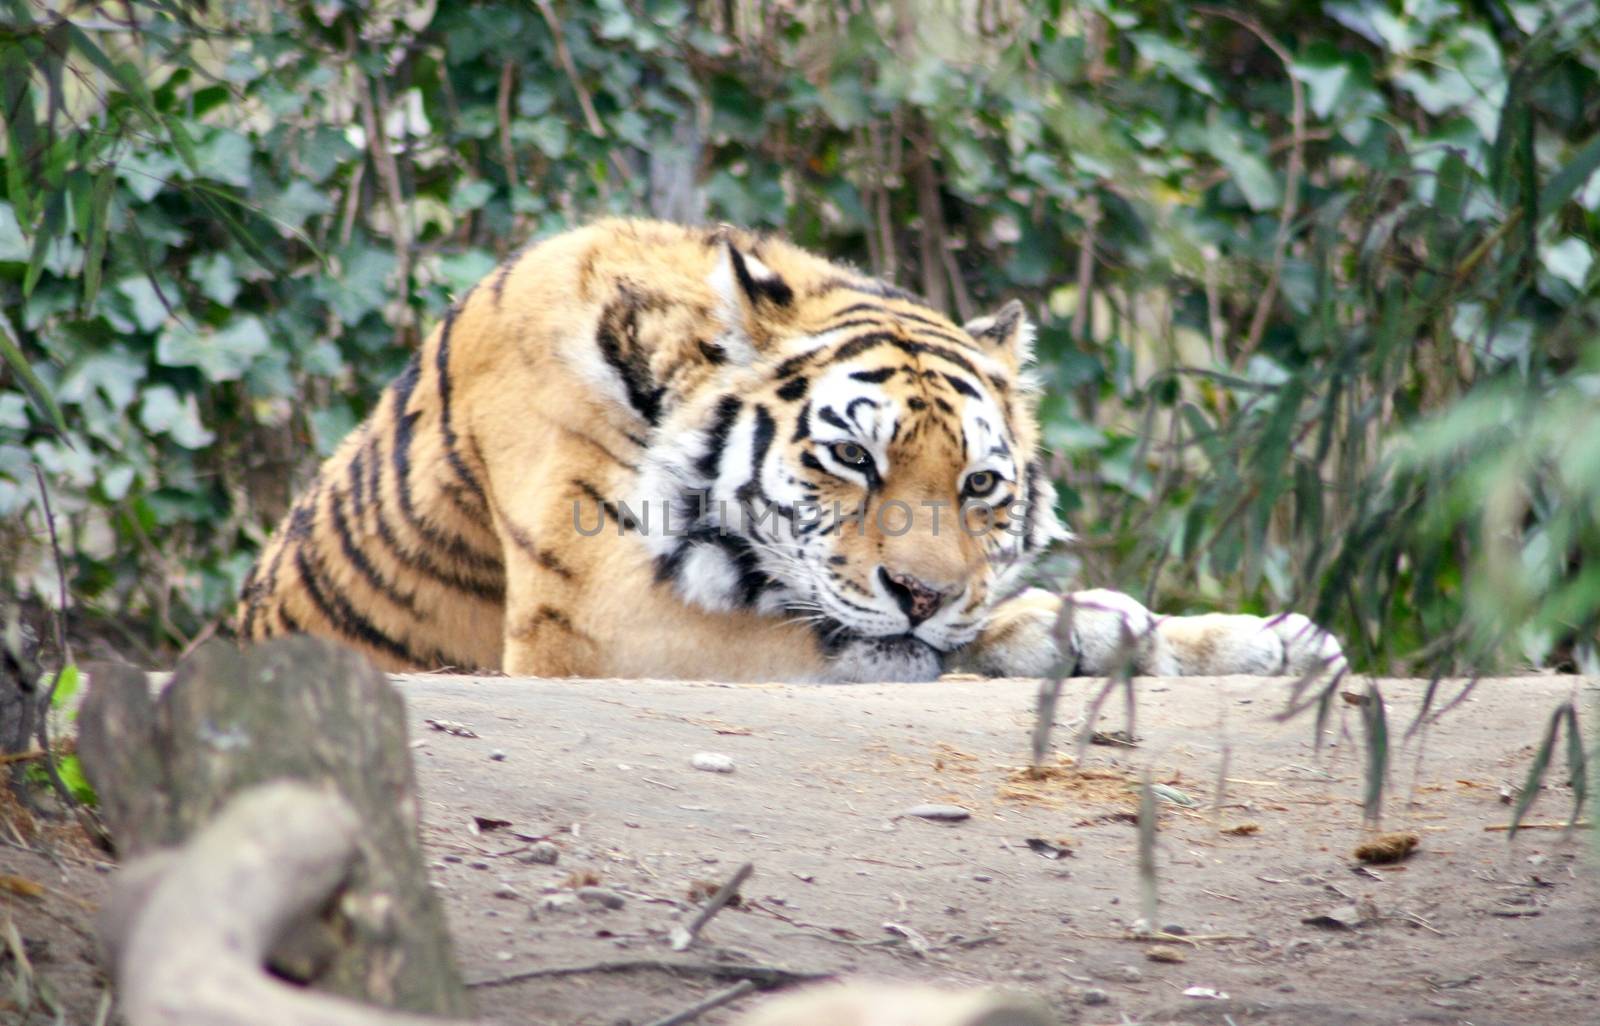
(1469, 929)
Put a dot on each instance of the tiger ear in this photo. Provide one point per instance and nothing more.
(748, 292)
(1006, 333)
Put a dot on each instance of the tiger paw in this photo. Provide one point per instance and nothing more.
(1214, 644)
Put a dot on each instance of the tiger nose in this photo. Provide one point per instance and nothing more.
(917, 599)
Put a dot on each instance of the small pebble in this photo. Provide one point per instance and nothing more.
(1096, 996)
(505, 890)
(502, 956)
(559, 903)
(541, 854)
(1175, 929)
(982, 877)
(497, 755)
(601, 896)
(948, 813)
(479, 865)
(1126, 974)
(712, 762)
(1164, 953)
(452, 858)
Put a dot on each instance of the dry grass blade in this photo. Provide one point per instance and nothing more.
(1148, 895)
(1536, 771)
(1050, 689)
(1123, 677)
(1577, 762)
(1375, 721)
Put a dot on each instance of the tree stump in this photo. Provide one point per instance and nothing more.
(297, 709)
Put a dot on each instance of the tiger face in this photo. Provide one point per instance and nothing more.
(870, 473)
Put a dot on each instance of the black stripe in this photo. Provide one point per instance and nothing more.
(850, 410)
(498, 286)
(802, 424)
(827, 416)
(358, 558)
(544, 615)
(617, 337)
(358, 500)
(609, 508)
(875, 377)
(774, 289)
(342, 616)
(441, 364)
(290, 624)
(766, 429)
(1034, 472)
(752, 581)
(855, 322)
(491, 589)
(543, 557)
(963, 386)
(400, 458)
(882, 290)
(793, 390)
(722, 419)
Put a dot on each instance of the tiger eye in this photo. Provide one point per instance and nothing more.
(981, 483)
(850, 454)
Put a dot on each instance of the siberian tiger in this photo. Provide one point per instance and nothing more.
(644, 450)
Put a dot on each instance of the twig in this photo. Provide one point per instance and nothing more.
(502, 106)
(87, 819)
(682, 938)
(1091, 224)
(1497, 828)
(564, 55)
(10, 757)
(717, 1000)
(764, 976)
(374, 122)
(1291, 174)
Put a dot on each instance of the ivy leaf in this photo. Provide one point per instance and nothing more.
(294, 205)
(163, 411)
(362, 284)
(216, 276)
(220, 355)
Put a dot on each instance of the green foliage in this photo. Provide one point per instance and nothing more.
(1315, 285)
(62, 688)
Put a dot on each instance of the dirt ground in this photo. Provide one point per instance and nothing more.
(1274, 920)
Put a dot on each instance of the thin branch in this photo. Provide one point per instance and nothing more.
(502, 106)
(1291, 176)
(717, 1000)
(682, 939)
(596, 128)
(765, 976)
(1080, 316)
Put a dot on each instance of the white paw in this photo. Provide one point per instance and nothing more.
(1307, 647)
(1111, 630)
(1215, 644)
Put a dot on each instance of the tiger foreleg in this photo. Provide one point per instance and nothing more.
(1105, 632)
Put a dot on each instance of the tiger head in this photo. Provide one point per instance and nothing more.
(853, 460)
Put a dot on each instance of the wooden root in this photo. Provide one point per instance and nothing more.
(188, 931)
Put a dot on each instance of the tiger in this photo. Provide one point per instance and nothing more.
(640, 449)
